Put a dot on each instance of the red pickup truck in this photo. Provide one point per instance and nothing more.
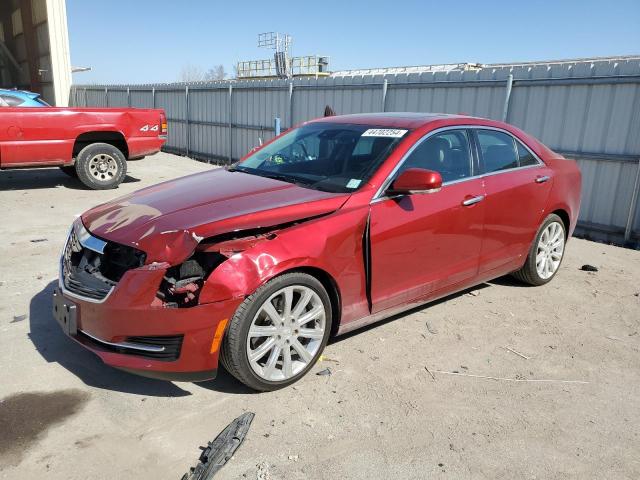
(93, 144)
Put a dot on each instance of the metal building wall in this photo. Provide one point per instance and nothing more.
(586, 109)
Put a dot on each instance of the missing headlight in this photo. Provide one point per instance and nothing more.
(182, 283)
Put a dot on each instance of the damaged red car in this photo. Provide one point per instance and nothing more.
(333, 225)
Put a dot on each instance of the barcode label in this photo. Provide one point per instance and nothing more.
(384, 132)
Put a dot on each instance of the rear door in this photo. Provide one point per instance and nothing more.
(517, 185)
(423, 243)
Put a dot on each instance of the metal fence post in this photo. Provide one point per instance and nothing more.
(385, 86)
(187, 124)
(276, 125)
(230, 110)
(128, 97)
(507, 97)
(633, 206)
(291, 124)
(106, 96)
(86, 104)
(153, 97)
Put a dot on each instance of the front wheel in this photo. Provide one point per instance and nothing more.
(101, 166)
(546, 253)
(278, 333)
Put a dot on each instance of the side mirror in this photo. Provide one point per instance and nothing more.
(416, 180)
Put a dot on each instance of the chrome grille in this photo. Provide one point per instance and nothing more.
(92, 267)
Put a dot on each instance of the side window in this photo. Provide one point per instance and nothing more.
(12, 101)
(446, 153)
(525, 157)
(498, 150)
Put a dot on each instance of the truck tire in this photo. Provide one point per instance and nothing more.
(101, 166)
(70, 170)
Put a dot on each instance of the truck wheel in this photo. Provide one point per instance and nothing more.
(70, 170)
(101, 166)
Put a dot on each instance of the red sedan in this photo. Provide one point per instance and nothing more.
(335, 224)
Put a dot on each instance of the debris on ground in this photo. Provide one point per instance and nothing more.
(18, 318)
(474, 293)
(431, 328)
(517, 353)
(38, 240)
(293, 457)
(324, 358)
(263, 472)
(429, 372)
(221, 449)
(535, 380)
(326, 371)
(588, 268)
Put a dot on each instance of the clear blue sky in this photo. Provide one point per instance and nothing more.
(140, 41)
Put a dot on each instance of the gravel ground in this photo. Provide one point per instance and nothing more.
(388, 410)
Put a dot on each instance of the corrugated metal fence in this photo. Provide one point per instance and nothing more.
(586, 109)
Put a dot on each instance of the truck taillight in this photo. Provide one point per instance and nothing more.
(163, 124)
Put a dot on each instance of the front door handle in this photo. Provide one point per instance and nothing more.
(542, 179)
(472, 201)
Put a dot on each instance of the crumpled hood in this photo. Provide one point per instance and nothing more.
(168, 220)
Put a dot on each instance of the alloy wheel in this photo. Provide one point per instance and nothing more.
(103, 167)
(286, 333)
(550, 250)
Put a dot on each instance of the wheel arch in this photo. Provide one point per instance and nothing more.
(564, 216)
(330, 285)
(112, 137)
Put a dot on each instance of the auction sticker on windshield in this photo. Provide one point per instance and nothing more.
(384, 132)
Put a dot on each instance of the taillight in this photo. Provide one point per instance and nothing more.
(163, 124)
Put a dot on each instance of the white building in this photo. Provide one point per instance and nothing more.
(34, 48)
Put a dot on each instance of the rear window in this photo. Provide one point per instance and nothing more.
(498, 150)
(12, 101)
(525, 157)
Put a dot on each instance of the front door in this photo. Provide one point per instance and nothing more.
(424, 243)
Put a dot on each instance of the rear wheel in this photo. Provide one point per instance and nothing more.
(278, 333)
(546, 253)
(70, 170)
(101, 166)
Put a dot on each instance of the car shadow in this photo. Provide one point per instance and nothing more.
(226, 383)
(41, 178)
(55, 346)
(509, 281)
(406, 313)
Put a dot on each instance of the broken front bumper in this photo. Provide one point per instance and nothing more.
(130, 331)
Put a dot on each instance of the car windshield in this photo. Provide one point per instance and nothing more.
(334, 157)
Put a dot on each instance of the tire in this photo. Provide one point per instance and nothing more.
(101, 166)
(530, 273)
(70, 170)
(271, 371)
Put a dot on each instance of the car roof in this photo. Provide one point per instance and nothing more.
(19, 93)
(409, 120)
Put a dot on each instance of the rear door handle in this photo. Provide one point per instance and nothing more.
(542, 179)
(472, 201)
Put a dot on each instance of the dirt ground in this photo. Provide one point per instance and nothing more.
(380, 414)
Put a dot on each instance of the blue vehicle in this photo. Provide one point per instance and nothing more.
(21, 98)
